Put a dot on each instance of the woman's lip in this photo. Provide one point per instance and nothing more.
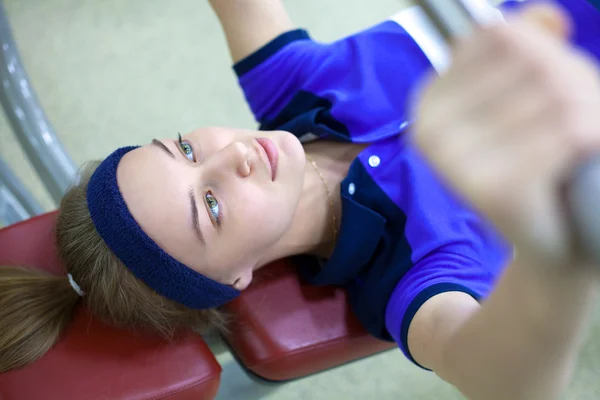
(271, 153)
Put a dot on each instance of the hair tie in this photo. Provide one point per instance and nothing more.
(75, 286)
(140, 254)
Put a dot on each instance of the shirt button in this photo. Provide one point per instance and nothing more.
(374, 161)
(351, 189)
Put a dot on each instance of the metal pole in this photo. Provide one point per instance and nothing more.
(28, 121)
(16, 203)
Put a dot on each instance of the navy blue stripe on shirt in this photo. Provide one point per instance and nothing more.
(305, 113)
(262, 54)
(418, 301)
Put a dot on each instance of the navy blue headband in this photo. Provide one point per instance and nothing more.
(138, 252)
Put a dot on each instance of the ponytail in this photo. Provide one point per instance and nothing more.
(35, 308)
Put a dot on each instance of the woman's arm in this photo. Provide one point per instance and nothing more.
(520, 344)
(250, 24)
(506, 126)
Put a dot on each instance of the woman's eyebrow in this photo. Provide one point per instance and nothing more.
(162, 146)
(195, 221)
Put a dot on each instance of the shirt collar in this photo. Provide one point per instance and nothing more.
(361, 230)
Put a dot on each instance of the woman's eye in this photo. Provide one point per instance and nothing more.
(187, 150)
(213, 205)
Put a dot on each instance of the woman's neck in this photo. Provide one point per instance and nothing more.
(312, 228)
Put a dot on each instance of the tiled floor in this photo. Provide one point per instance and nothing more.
(114, 72)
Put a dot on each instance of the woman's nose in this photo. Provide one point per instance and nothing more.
(235, 157)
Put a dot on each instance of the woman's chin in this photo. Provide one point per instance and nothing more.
(292, 148)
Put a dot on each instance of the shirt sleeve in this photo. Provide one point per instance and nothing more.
(273, 74)
(438, 273)
(357, 87)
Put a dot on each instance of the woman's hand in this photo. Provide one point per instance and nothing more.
(509, 122)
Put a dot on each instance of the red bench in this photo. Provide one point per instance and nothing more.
(286, 329)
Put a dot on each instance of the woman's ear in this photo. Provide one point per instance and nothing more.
(243, 279)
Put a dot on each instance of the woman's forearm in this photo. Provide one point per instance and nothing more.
(249, 24)
(523, 341)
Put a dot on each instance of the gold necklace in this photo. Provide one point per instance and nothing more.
(329, 197)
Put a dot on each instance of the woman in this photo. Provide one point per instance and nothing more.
(155, 237)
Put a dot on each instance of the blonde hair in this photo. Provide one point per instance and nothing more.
(36, 306)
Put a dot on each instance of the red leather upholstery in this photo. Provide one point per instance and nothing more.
(94, 361)
(286, 328)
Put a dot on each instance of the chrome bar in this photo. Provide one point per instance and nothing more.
(16, 203)
(34, 132)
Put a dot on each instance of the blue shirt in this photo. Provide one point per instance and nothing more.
(405, 236)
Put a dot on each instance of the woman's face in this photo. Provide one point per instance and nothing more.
(218, 200)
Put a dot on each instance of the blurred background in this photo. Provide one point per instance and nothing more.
(112, 73)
